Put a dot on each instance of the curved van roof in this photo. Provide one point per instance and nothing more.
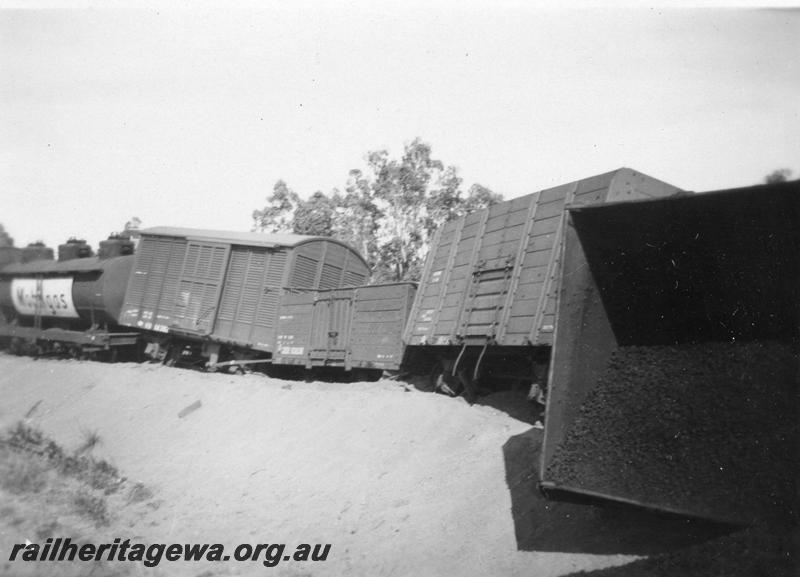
(269, 240)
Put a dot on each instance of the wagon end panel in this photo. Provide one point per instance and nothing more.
(379, 314)
(330, 328)
(326, 264)
(342, 267)
(103, 293)
(434, 314)
(314, 328)
(629, 184)
(294, 328)
(584, 341)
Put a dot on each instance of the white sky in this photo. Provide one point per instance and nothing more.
(188, 117)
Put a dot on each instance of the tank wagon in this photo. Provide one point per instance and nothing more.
(486, 305)
(217, 294)
(37, 251)
(10, 255)
(675, 366)
(71, 304)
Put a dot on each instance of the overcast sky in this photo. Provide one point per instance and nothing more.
(188, 117)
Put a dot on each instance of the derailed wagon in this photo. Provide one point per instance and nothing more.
(216, 294)
(675, 365)
(70, 305)
(485, 309)
(358, 330)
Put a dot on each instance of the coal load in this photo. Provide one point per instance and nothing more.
(752, 552)
(706, 429)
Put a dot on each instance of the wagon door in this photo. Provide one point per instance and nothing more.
(331, 329)
(199, 287)
(249, 303)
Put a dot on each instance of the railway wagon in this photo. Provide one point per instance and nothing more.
(357, 329)
(71, 304)
(676, 361)
(485, 308)
(217, 293)
(10, 255)
(34, 251)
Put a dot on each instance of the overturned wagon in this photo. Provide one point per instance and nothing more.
(675, 364)
(217, 294)
(485, 309)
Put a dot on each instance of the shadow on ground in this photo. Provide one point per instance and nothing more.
(515, 404)
(544, 525)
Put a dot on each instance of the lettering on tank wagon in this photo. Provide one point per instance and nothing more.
(50, 297)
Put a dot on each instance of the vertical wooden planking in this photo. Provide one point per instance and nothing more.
(445, 280)
(408, 333)
(551, 283)
(470, 270)
(524, 241)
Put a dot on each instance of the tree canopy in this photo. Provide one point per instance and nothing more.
(5, 238)
(389, 212)
(134, 224)
(779, 175)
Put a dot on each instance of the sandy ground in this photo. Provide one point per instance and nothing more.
(398, 481)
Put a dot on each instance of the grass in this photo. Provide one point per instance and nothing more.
(139, 493)
(97, 473)
(31, 463)
(90, 440)
(24, 436)
(92, 507)
(19, 475)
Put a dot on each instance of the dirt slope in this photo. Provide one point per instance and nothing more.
(398, 481)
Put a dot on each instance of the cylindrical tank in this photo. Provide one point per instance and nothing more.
(72, 294)
(37, 251)
(10, 255)
(115, 245)
(74, 248)
(100, 296)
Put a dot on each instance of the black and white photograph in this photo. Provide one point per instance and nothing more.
(399, 288)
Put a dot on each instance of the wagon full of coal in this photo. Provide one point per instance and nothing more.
(675, 364)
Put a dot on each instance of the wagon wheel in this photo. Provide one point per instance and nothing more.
(105, 356)
(171, 356)
(442, 381)
(368, 375)
(16, 347)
